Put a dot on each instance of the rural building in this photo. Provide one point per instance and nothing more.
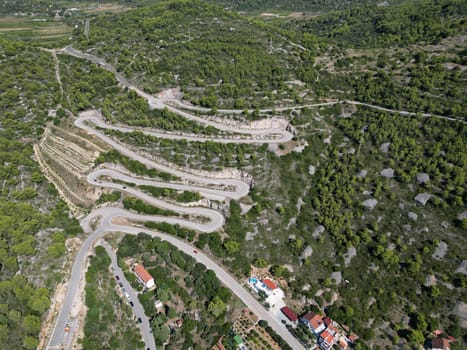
(314, 322)
(266, 286)
(327, 321)
(143, 276)
(328, 338)
(269, 284)
(158, 305)
(440, 344)
(289, 314)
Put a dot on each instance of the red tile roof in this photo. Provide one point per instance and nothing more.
(270, 284)
(333, 329)
(142, 273)
(343, 343)
(327, 321)
(292, 316)
(327, 336)
(309, 315)
(440, 343)
(315, 320)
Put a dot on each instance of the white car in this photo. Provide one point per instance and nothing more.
(127, 296)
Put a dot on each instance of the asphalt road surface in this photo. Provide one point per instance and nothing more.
(220, 188)
(138, 310)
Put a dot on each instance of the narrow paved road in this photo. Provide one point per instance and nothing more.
(168, 103)
(102, 218)
(105, 215)
(209, 193)
(241, 187)
(210, 187)
(137, 308)
(242, 135)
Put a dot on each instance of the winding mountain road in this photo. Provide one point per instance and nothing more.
(241, 187)
(272, 132)
(100, 221)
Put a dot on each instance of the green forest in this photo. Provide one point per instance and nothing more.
(375, 197)
(109, 322)
(186, 288)
(380, 26)
(226, 60)
(33, 221)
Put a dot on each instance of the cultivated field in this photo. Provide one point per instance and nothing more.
(33, 28)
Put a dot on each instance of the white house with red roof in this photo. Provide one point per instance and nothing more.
(266, 286)
(143, 276)
(328, 337)
(314, 322)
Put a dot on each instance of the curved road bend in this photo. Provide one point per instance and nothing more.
(159, 103)
(206, 192)
(137, 308)
(244, 135)
(241, 188)
(107, 214)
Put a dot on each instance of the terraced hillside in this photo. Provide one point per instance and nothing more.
(66, 158)
(35, 225)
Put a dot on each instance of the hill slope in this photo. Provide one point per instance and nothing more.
(197, 45)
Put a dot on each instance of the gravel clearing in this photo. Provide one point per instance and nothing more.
(422, 198)
(370, 203)
(462, 215)
(306, 253)
(362, 174)
(423, 178)
(351, 252)
(245, 208)
(440, 250)
(461, 311)
(385, 147)
(462, 268)
(337, 276)
(318, 231)
(430, 281)
(311, 170)
(387, 173)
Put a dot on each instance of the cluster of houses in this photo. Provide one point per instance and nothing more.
(326, 330)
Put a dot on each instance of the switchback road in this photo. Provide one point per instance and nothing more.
(100, 221)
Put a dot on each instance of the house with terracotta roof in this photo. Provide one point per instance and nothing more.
(440, 344)
(266, 286)
(269, 284)
(292, 316)
(343, 343)
(328, 338)
(314, 322)
(143, 276)
(327, 321)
